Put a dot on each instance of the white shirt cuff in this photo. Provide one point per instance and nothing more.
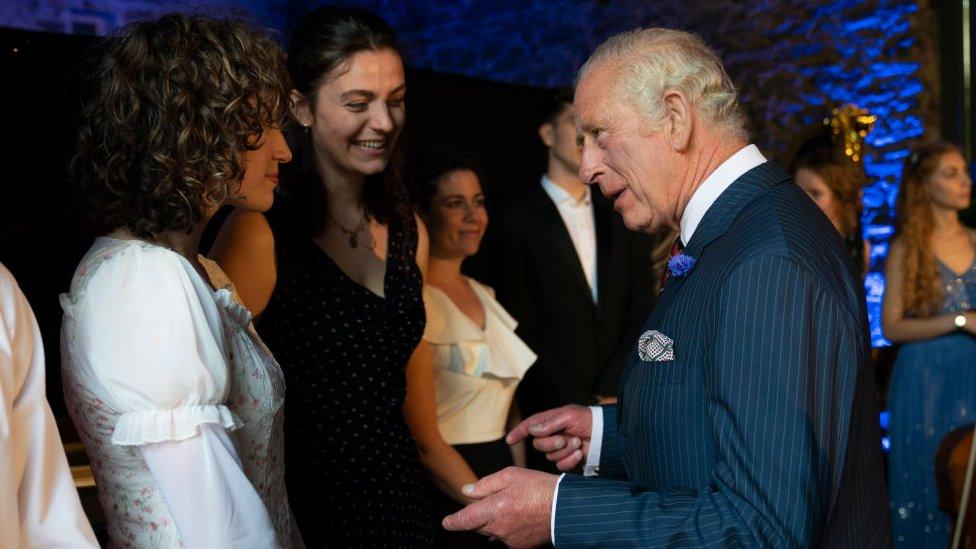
(592, 467)
(552, 513)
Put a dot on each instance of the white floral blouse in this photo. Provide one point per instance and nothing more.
(152, 354)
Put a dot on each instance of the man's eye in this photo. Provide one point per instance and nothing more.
(357, 106)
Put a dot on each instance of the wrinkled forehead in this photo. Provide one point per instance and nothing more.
(597, 94)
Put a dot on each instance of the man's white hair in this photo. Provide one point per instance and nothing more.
(652, 61)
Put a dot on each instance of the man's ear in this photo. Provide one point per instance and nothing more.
(300, 109)
(680, 122)
(545, 133)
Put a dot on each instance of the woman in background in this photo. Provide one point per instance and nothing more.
(335, 272)
(462, 378)
(176, 399)
(928, 308)
(833, 181)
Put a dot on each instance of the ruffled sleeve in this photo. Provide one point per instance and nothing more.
(149, 335)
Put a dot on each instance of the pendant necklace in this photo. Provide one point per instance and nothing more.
(353, 234)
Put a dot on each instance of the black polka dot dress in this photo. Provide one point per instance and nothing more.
(352, 469)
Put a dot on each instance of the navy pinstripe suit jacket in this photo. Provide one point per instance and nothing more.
(763, 430)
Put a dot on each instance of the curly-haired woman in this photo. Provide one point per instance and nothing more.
(178, 402)
(928, 307)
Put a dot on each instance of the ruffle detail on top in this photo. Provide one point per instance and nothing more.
(467, 349)
(237, 312)
(149, 426)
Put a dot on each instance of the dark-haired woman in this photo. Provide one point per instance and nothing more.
(335, 272)
(929, 307)
(463, 376)
(833, 182)
(176, 399)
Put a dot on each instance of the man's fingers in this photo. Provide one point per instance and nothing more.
(555, 443)
(472, 517)
(546, 423)
(557, 455)
(571, 461)
(530, 425)
(488, 485)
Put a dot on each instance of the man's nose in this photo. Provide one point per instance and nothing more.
(590, 164)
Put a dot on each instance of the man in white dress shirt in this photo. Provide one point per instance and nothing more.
(39, 504)
(566, 267)
(747, 412)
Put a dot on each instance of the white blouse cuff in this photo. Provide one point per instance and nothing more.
(147, 426)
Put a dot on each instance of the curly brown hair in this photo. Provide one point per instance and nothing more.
(922, 294)
(174, 105)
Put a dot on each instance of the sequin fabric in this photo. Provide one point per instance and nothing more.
(932, 391)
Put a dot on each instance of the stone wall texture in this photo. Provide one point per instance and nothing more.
(792, 60)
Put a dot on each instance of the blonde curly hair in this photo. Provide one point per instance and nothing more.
(174, 105)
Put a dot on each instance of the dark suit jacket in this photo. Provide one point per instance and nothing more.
(537, 276)
(763, 429)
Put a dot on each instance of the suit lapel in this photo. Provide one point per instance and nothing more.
(717, 221)
(548, 216)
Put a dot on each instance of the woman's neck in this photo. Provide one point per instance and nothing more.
(945, 221)
(344, 193)
(184, 243)
(443, 271)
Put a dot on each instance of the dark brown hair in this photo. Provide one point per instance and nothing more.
(844, 178)
(922, 294)
(174, 104)
(426, 167)
(323, 42)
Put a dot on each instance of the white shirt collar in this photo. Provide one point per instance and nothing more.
(714, 185)
(559, 195)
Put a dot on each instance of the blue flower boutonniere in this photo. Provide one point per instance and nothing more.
(680, 265)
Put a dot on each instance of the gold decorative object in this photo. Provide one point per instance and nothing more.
(849, 125)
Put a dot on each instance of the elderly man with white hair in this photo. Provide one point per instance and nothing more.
(747, 412)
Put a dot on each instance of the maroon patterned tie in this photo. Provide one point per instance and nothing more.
(676, 249)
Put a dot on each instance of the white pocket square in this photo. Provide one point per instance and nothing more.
(653, 346)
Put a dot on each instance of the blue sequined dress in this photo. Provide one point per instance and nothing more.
(932, 391)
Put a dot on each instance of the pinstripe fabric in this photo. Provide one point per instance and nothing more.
(763, 430)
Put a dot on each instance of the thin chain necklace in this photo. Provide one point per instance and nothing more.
(353, 234)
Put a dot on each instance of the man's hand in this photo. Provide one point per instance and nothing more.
(514, 505)
(563, 434)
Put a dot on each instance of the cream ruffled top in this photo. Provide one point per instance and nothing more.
(477, 370)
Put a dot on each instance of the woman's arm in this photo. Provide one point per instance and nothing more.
(518, 449)
(897, 327)
(423, 246)
(245, 250)
(212, 502)
(448, 468)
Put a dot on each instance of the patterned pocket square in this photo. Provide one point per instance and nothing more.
(653, 346)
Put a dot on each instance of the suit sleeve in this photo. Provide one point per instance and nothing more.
(640, 300)
(779, 381)
(510, 278)
(611, 460)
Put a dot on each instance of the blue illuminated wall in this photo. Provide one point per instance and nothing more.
(792, 60)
